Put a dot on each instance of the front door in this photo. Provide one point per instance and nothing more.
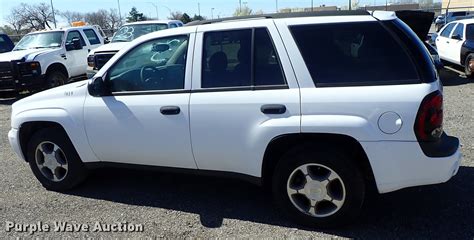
(443, 40)
(76, 58)
(455, 44)
(146, 119)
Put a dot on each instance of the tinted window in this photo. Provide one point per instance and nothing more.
(5, 44)
(228, 61)
(172, 25)
(447, 30)
(353, 54)
(154, 65)
(92, 36)
(457, 14)
(470, 31)
(459, 30)
(74, 34)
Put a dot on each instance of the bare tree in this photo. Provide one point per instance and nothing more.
(97, 18)
(35, 16)
(72, 16)
(16, 23)
(113, 19)
(175, 15)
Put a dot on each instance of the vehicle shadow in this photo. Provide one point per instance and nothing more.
(438, 211)
(453, 76)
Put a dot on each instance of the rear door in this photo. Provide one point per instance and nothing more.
(443, 40)
(244, 94)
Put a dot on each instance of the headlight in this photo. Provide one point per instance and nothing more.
(90, 61)
(27, 68)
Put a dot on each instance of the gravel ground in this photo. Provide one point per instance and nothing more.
(178, 206)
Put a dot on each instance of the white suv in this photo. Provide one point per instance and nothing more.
(317, 107)
(46, 59)
(127, 33)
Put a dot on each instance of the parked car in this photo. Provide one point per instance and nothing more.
(46, 59)
(6, 44)
(455, 44)
(451, 16)
(127, 33)
(262, 99)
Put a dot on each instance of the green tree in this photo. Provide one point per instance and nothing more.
(135, 16)
(198, 18)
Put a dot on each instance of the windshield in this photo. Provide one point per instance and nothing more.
(40, 40)
(130, 32)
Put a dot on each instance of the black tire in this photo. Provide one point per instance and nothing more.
(76, 171)
(333, 159)
(467, 69)
(54, 79)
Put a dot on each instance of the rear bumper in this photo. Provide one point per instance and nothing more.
(398, 165)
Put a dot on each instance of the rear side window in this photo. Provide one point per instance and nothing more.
(446, 31)
(92, 36)
(363, 53)
(240, 58)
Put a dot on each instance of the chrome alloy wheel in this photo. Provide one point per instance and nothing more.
(51, 161)
(316, 190)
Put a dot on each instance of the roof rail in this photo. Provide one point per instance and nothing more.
(283, 15)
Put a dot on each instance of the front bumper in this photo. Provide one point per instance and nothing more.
(15, 78)
(398, 165)
(14, 140)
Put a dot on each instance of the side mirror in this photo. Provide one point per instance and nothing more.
(106, 40)
(98, 87)
(457, 37)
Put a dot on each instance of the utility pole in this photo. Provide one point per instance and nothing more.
(120, 14)
(156, 8)
(212, 13)
(350, 5)
(54, 18)
(312, 6)
(240, 5)
(276, 5)
(199, 9)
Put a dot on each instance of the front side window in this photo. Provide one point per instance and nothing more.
(232, 59)
(154, 65)
(92, 36)
(75, 34)
(40, 40)
(459, 30)
(361, 53)
(446, 31)
(130, 32)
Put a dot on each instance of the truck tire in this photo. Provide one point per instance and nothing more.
(318, 187)
(54, 79)
(54, 161)
(467, 69)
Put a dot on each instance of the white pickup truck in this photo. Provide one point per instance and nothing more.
(46, 59)
(125, 34)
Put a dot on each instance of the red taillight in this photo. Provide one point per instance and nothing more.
(429, 120)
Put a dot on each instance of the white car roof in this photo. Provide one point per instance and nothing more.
(464, 21)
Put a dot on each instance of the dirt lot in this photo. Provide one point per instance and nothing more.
(188, 206)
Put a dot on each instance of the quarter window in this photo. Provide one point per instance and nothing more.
(92, 36)
(240, 58)
(75, 34)
(446, 31)
(154, 65)
(353, 54)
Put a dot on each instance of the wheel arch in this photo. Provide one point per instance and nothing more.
(28, 129)
(57, 67)
(280, 144)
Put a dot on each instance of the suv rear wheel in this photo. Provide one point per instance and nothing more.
(318, 187)
(469, 65)
(54, 161)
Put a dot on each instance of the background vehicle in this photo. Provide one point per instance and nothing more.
(6, 44)
(455, 44)
(451, 16)
(47, 59)
(127, 33)
(262, 99)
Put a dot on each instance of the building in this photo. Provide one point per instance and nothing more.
(458, 5)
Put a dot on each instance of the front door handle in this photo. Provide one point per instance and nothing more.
(273, 109)
(170, 110)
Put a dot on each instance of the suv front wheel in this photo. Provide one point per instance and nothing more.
(318, 187)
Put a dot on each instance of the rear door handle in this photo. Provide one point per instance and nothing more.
(273, 109)
(170, 110)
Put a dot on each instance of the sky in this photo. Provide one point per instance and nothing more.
(222, 8)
